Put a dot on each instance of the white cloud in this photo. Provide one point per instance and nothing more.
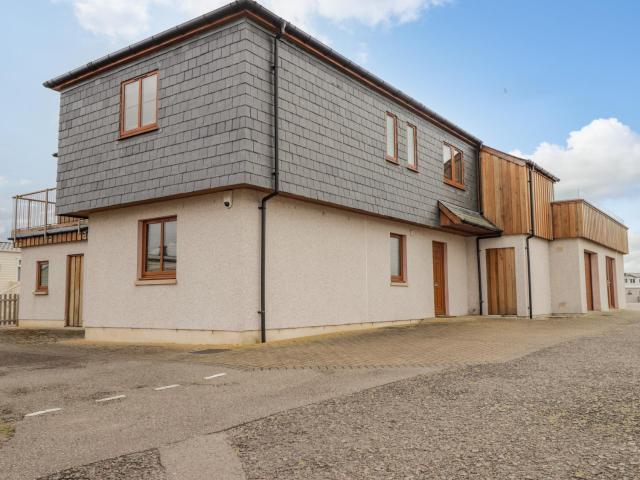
(3, 181)
(632, 261)
(123, 20)
(601, 160)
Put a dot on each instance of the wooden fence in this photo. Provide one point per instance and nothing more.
(9, 309)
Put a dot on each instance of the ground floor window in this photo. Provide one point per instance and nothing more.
(42, 276)
(158, 248)
(398, 258)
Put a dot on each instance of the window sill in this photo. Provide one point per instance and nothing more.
(41, 292)
(133, 133)
(413, 169)
(399, 284)
(453, 184)
(392, 160)
(156, 281)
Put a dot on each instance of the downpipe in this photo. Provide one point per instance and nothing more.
(529, 237)
(276, 188)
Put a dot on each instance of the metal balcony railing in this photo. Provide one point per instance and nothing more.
(35, 213)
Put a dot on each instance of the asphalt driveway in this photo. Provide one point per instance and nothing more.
(472, 398)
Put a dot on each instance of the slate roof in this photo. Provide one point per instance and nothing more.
(470, 217)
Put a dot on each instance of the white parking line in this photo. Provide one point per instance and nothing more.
(42, 412)
(166, 387)
(215, 376)
(117, 397)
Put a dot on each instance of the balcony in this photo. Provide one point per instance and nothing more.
(35, 221)
(581, 219)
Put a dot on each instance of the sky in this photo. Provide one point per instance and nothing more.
(553, 81)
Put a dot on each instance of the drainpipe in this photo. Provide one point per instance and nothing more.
(532, 233)
(275, 192)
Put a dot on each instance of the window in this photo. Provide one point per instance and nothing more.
(139, 105)
(392, 137)
(412, 147)
(453, 161)
(158, 255)
(398, 258)
(42, 277)
(19, 272)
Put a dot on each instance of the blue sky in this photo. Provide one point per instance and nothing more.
(553, 80)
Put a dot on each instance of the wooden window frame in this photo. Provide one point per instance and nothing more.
(147, 128)
(389, 158)
(142, 250)
(451, 181)
(39, 287)
(413, 167)
(402, 278)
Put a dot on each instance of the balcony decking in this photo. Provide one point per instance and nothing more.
(580, 219)
(35, 221)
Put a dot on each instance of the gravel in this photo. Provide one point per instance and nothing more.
(140, 466)
(569, 411)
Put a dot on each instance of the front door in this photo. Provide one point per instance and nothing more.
(588, 274)
(74, 291)
(611, 282)
(439, 279)
(501, 281)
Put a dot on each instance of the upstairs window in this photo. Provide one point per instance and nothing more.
(391, 130)
(158, 254)
(42, 277)
(412, 147)
(453, 162)
(139, 105)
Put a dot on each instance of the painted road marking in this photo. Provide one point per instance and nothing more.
(42, 412)
(166, 387)
(215, 376)
(117, 397)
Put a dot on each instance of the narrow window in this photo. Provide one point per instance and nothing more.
(158, 248)
(398, 258)
(412, 147)
(19, 273)
(42, 277)
(392, 137)
(453, 162)
(139, 105)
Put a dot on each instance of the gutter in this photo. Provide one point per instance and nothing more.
(276, 188)
(529, 237)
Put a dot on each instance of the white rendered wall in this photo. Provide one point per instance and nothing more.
(568, 284)
(325, 266)
(540, 276)
(46, 310)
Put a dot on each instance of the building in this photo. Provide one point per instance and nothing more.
(243, 182)
(632, 287)
(10, 268)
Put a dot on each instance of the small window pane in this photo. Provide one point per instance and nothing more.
(44, 275)
(446, 159)
(149, 95)
(131, 100)
(411, 146)
(391, 136)
(396, 257)
(152, 260)
(170, 245)
(457, 166)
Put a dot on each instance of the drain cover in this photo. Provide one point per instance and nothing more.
(209, 351)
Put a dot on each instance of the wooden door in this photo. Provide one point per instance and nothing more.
(501, 281)
(611, 282)
(73, 309)
(439, 279)
(588, 274)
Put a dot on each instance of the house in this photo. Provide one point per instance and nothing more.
(632, 287)
(10, 268)
(243, 182)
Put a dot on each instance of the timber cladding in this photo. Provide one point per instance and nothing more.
(501, 281)
(505, 195)
(579, 219)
